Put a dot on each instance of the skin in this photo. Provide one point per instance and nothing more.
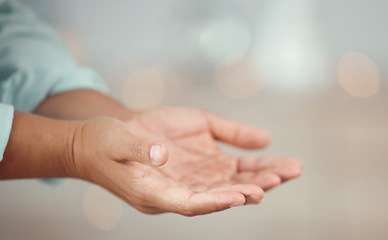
(192, 176)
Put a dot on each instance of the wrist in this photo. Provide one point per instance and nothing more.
(88, 144)
(82, 104)
(38, 147)
(73, 141)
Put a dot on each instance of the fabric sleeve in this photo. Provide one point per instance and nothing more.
(34, 62)
(6, 118)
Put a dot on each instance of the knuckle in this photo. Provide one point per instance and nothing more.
(138, 151)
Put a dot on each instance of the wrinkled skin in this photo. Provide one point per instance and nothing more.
(198, 177)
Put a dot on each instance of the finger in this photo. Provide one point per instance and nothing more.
(253, 193)
(142, 150)
(265, 180)
(238, 134)
(187, 203)
(286, 172)
(253, 163)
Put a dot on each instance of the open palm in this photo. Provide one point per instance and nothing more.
(198, 177)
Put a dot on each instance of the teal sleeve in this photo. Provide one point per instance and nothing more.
(6, 117)
(34, 62)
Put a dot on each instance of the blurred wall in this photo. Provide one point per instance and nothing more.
(312, 72)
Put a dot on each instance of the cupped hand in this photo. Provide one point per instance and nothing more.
(198, 164)
(189, 174)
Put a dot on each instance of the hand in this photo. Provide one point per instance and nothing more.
(198, 178)
(195, 159)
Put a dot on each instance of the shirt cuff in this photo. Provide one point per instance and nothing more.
(82, 78)
(6, 118)
(27, 87)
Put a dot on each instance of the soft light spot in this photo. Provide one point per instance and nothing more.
(75, 44)
(294, 60)
(223, 37)
(102, 209)
(289, 46)
(144, 89)
(358, 75)
(177, 81)
(239, 76)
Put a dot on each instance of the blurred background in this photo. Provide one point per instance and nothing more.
(312, 72)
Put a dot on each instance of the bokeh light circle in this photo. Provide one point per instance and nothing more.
(239, 76)
(358, 75)
(75, 44)
(102, 209)
(144, 89)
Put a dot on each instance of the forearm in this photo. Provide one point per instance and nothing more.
(82, 104)
(38, 147)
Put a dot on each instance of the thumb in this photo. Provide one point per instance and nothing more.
(121, 144)
(147, 152)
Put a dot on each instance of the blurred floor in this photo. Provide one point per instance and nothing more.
(341, 195)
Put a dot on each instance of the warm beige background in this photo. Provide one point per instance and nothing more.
(339, 136)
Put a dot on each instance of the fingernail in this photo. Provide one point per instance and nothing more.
(155, 154)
